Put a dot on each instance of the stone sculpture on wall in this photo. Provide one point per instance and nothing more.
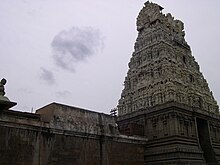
(2, 90)
(5, 103)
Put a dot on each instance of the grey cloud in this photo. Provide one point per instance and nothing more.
(75, 45)
(63, 94)
(47, 76)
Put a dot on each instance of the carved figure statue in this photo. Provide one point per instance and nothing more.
(2, 89)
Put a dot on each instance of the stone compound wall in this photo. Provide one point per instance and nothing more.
(64, 135)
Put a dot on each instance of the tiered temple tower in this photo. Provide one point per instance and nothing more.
(162, 68)
(165, 96)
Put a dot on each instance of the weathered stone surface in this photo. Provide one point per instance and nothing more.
(65, 117)
(162, 68)
(65, 135)
(176, 134)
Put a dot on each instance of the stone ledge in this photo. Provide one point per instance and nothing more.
(5, 105)
(166, 106)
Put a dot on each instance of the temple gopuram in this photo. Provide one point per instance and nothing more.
(166, 98)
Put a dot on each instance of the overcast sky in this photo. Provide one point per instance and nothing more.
(76, 52)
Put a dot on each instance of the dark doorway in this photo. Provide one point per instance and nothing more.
(204, 140)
